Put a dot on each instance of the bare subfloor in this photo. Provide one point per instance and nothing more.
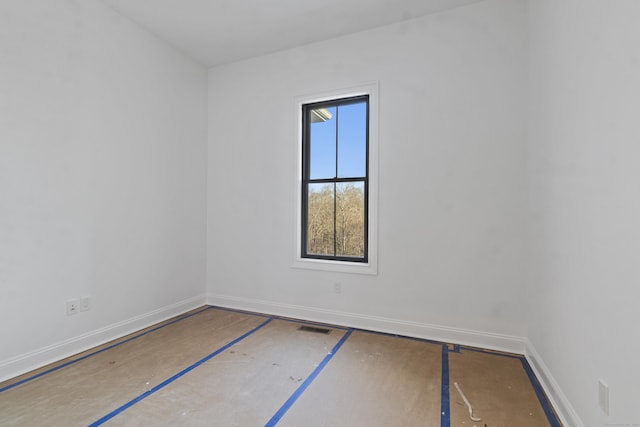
(218, 367)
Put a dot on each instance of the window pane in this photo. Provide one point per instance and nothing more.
(320, 231)
(334, 179)
(350, 219)
(322, 163)
(352, 140)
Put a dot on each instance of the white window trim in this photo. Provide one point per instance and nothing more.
(370, 267)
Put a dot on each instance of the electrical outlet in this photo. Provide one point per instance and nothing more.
(337, 287)
(73, 305)
(84, 304)
(603, 396)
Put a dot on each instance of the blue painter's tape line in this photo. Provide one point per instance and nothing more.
(287, 319)
(445, 416)
(491, 352)
(542, 397)
(317, 324)
(296, 394)
(168, 381)
(71, 362)
(407, 337)
(237, 310)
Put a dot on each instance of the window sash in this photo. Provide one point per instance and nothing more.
(335, 181)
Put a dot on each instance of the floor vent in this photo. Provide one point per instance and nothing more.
(314, 329)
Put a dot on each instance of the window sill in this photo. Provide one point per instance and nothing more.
(335, 266)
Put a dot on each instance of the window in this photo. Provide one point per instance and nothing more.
(335, 183)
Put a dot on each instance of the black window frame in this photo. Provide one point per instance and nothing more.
(306, 180)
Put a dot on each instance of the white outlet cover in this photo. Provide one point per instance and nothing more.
(73, 306)
(603, 396)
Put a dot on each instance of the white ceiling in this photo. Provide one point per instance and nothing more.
(221, 31)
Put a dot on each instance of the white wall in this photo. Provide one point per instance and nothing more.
(585, 202)
(452, 191)
(102, 178)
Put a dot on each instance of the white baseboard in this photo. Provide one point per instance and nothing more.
(568, 416)
(24, 363)
(499, 342)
